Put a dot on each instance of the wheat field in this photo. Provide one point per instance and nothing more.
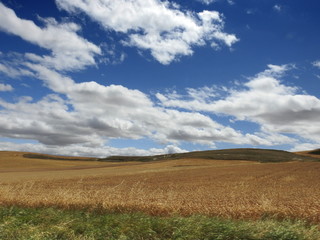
(229, 189)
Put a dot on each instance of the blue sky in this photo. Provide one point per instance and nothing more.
(99, 78)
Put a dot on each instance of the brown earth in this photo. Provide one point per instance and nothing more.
(232, 189)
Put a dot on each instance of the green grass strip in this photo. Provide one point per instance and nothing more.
(51, 223)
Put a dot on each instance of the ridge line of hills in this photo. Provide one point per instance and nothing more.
(243, 154)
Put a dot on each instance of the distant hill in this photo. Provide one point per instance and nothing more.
(56, 157)
(314, 153)
(244, 154)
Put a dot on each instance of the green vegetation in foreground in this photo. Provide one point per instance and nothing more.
(51, 223)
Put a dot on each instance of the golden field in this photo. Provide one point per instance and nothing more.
(231, 189)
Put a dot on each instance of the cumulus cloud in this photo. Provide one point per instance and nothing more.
(158, 26)
(93, 113)
(265, 100)
(69, 51)
(5, 87)
(86, 115)
(80, 118)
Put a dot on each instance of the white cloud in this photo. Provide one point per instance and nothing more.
(80, 150)
(5, 87)
(277, 108)
(316, 64)
(158, 26)
(89, 114)
(14, 72)
(276, 70)
(80, 118)
(305, 147)
(69, 50)
(93, 113)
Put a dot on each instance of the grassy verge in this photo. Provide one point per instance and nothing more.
(51, 223)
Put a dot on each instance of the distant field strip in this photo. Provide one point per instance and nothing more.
(231, 189)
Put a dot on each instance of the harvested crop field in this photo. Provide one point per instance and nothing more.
(225, 188)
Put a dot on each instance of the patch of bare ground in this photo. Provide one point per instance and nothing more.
(231, 189)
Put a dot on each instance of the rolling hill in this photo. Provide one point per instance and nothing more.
(244, 154)
(247, 154)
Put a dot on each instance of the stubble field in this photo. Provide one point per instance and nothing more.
(224, 188)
